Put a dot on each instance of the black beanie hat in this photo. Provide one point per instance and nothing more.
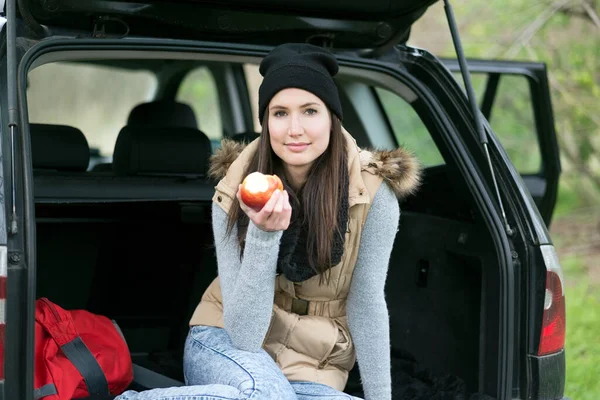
(301, 66)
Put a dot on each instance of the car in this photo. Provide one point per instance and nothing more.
(110, 111)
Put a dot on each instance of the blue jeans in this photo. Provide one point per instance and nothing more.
(215, 369)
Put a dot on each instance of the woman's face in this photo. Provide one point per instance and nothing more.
(299, 128)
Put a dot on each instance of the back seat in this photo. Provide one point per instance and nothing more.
(142, 150)
(160, 113)
(150, 164)
(134, 246)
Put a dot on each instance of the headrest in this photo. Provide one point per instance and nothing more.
(163, 113)
(58, 147)
(161, 150)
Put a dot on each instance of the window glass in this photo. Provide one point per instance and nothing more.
(512, 118)
(253, 80)
(408, 128)
(478, 81)
(199, 90)
(95, 99)
(513, 123)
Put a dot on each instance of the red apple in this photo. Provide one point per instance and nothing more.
(257, 189)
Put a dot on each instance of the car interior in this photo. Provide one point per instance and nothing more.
(123, 223)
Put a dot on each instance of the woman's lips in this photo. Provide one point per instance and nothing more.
(297, 147)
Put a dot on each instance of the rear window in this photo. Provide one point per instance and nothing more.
(408, 128)
(95, 99)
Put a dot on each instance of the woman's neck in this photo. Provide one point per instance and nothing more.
(296, 176)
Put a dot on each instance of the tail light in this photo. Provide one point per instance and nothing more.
(552, 338)
(3, 278)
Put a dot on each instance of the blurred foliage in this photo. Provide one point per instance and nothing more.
(583, 353)
(199, 91)
(565, 34)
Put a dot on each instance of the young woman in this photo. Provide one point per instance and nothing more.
(300, 292)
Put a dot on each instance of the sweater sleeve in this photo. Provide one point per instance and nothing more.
(247, 286)
(368, 317)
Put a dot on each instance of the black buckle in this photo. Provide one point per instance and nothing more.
(299, 306)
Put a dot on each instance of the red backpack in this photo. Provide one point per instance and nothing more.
(78, 355)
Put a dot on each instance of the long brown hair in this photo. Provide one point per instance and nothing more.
(319, 197)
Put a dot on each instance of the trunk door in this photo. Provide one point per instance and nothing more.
(352, 24)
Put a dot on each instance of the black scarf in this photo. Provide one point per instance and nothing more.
(293, 259)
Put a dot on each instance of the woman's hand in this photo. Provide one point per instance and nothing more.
(274, 216)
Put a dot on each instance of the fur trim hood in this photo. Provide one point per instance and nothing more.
(399, 168)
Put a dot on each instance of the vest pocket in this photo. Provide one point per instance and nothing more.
(342, 354)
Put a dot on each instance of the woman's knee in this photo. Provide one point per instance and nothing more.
(206, 360)
(211, 358)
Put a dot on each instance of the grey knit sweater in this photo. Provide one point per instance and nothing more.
(248, 288)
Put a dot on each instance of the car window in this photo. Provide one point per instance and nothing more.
(512, 119)
(95, 99)
(199, 90)
(408, 128)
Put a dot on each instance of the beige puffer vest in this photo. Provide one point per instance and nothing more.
(308, 337)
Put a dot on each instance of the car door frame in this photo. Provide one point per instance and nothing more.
(543, 184)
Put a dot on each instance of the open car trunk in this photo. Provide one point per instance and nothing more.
(137, 246)
(146, 265)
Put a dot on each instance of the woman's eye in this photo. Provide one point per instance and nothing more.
(311, 111)
(279, 113)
